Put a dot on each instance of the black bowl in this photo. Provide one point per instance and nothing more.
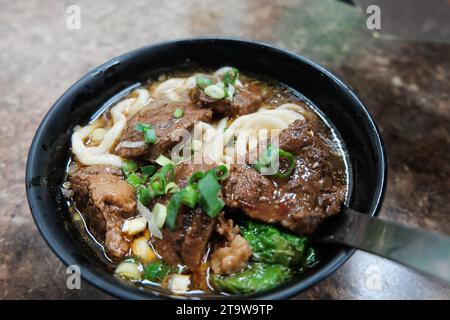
(49, 151)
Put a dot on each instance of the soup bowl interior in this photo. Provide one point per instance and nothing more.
(50, 150)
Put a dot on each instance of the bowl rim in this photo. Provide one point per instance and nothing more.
(115, 288)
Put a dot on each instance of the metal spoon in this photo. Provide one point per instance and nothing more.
(421, 250)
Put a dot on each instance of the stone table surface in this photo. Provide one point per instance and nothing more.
(405, 85)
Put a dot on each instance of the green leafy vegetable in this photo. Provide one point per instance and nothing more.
(157, 271)
(270, 245)
(259, 277)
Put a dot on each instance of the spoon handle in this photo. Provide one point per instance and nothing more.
(424, 251)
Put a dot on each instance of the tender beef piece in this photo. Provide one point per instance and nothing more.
(233, 255)
(186, 244)
(298, 135)
(198, 231)
(189, 241)
(105, 200)
(183, 171)
(301, 202)
(160, 116)
(245, 100)
(169, 247)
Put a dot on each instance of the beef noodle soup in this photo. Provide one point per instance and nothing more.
(205, 182)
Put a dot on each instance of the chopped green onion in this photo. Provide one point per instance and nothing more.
(157, 185)
(178, 113)
(230, 91)
(221, 172)
(148, 170)
(221, 85)
(214, 92)
(168, 168)
(189, 196)
(195, 177)
(209, 199)
(268, 158)
(128, 167)
(172, 210)
(157, 271)
(171, 187)
(160, 180)
(144, 195)
(230, 76)
(148, 131)
(128, 270)
(202, 81)
(160, 213)
(150, 136)
(134, 180)
(140, 127)
(163, 160)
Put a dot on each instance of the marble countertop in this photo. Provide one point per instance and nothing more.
(405, 85)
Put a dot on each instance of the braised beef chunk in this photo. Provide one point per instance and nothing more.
(169, 247)
(188, 243)
(311, 193)
(199, 228)
(105, 200)
(184, 171)
(245, 100)
(161, 117)
(298, 135)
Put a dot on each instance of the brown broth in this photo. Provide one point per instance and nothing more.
(275, 94)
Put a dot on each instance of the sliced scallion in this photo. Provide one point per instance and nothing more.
(202, 81)
(134, 180)
(178, 113)
(144, 195)
(160, 180)
(189, 196)
(172, 210)
(128, 167)
(148, 170)
(230, 76)
(163, 160)
(148, 131)
(209, 195)
(160, 213)
(171, 187)
(214, 92)
(221, 172)
(195, 177)
(269, 157)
